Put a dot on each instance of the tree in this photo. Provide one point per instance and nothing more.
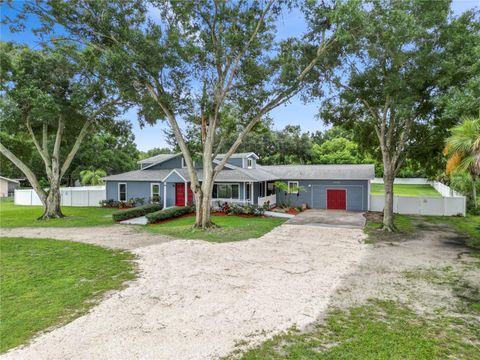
(49, 96)
(110, 147)
(92, 177)
(338, 151)
(153, 152)
(386, 80)
(194, 60)
(463, 150)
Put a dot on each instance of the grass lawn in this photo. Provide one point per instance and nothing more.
(377, 330)
(12, 215)
(47, 282)
(469, 225)
(231, 228)
(406, 190)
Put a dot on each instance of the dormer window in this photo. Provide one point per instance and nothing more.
(184, 164)
(249, 163)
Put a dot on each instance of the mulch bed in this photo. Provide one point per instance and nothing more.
(374, 216)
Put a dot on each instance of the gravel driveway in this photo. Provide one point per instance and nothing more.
(197, 300)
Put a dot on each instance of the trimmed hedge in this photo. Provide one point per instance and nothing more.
(136, 212)
(168, 213)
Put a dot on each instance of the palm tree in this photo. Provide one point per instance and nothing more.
(92, 177)
(463, 149)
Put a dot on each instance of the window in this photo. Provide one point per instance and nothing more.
(249, 163)
(184, 164)
(122, 192)
(226, 191)
(155, 193)
(293, 187)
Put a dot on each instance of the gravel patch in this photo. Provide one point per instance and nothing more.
(196, 300)
(115, 236)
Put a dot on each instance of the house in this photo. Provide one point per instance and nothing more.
(7, 186)
(165, 178)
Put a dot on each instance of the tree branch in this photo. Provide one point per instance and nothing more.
(26, 171)
(75, 147)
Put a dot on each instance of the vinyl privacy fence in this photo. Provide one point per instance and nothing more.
(451, 203)
(70, 196)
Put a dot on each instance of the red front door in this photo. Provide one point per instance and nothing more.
(337, 199)
(180, 194)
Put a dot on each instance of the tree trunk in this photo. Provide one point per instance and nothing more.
(474, 191)
(52, 204)
(203, 204)
(388, 179)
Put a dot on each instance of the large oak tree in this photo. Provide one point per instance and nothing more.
(50, 97)
(387, 80)
(183, 61)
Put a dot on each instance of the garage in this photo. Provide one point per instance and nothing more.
(333, 187)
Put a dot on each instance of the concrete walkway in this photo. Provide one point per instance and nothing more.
(142, 220)
(330, 218)
(197, 300)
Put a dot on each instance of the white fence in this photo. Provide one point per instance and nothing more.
(272, 199)
(450, 203)
(71, 196)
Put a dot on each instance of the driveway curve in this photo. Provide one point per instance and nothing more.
(197, 300)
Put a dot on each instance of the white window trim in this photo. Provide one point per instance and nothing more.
(249, 163)
(184, 164)
(126, 191)
(294, 183)
(231, 198)
(151, 189)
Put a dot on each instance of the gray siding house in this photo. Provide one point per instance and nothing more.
(164, 178)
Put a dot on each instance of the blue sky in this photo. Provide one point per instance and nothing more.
(293, 113)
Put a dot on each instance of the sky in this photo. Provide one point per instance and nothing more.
(293, 113)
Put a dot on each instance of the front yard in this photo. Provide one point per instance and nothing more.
(230, 228)
(12, 215)
(417, 296)
(47, 283)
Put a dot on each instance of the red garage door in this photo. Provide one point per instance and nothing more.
(337, 199)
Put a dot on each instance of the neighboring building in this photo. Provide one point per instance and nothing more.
(165, 178)
(7, 186)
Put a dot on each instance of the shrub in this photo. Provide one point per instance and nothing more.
(168, 213)
(110, 203)
(136, 212)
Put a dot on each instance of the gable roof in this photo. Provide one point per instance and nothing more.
(157, 159)
(140, 175)
(239, 155)
(321, 172)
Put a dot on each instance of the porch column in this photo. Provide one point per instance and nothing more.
(244, 192)
(186, 193)
(266, 189)
(252, 195)
(164, 195)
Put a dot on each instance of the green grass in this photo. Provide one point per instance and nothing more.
(230, 228)
(406, 190)
(12, 215)
(378, 330)
(469, 225)
(48, 282)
